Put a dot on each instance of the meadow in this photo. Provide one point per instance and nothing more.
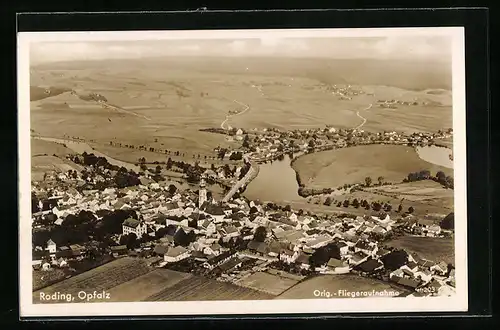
(430, 248)
(265, 282)
(140, 288)
(97, 279)
(201, 288)
(164, 103)
(334, 168)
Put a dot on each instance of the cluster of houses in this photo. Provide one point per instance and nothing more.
(268, 144)
(291, 238)
(345, 92)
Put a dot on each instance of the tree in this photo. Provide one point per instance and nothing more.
(380, 180)
(193, 223)
(395, 259)
(448, 221)
(411, 210)
(400, 208)
(345, 203)
(368, 181)
(328, 201)
(355, 203)
(130, 240)
(144, 167)
(160, 233)
(158, 169)
(440, 176)
(287, 208)
(449, 182)
(34, 203)
(172, 189)
(246, 141)
(311, 144)
(260, 234)
(319, 257)
(376, 206)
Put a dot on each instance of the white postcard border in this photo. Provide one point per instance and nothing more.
(459, 302)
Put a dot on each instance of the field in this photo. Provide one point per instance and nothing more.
(163, 104)
(132, 155)
(41, 147)
(200, 288)
(97, 279)
(432, 199)
(334, 168)
(431, 248)
(265, 282)
(140, 288)
(43, 278)
(333, 284)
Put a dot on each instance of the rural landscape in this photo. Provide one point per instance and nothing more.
(251, 176)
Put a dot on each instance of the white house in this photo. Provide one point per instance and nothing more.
(51, 246)
(433, 230)
(175, 254)
(134, 226)
(288, 256)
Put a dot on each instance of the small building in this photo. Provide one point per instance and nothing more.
(51, 246)
(370, 266)
(118, 250)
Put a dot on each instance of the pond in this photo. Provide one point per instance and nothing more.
(436, 155)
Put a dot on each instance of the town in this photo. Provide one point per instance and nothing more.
(84, 219)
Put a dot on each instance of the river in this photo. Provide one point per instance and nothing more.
(275, 182)
(436, 155)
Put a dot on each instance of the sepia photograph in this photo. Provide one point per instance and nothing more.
(242, 171)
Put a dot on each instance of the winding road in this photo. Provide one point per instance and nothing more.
(237, 114)
(363, 118)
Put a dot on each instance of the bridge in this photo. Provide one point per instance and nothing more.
(251, 174)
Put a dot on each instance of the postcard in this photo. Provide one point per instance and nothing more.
(245, 172)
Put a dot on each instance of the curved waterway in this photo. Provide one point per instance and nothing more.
(275, 182)
(81, 147)
(436, 155)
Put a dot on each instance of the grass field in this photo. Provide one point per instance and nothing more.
(146, 285)
(431, 248)
(169, 101)
(265, 282)
(334, 168)
(200, 288)
(334, 283)
(41, 147)
(426, 197)
(43, 164)
(97, 279)
(43, 278)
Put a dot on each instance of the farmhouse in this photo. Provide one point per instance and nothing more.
(175, 254)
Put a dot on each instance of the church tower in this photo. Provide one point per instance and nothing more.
(202, 194)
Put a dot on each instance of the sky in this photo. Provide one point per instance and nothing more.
(393, 47)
